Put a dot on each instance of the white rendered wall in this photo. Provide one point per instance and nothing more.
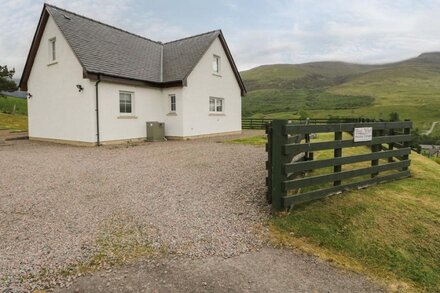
(173, 121)
(202, 84)
(57, 110)
(149, 104)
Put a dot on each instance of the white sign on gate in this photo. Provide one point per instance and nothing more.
(363, 134)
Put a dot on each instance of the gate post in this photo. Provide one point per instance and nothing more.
(269, 162)
(279, 139)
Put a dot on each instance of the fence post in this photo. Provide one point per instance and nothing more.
(375, 148)
(391, 146)
(269, 148)
(308, 155)
(406, 143)
(279, 139)
(337, 154)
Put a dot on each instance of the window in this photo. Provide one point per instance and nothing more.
(173, 103)
(216, 105)
(52, 50)
(125, 103)
(216, 64)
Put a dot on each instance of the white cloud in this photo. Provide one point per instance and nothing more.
(264, 32)
(357, 31)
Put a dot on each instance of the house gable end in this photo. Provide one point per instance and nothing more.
(35, 45)
(33, 49)
(142, 60)
(230, 59)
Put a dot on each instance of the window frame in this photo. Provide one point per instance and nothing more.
(52, 50)
(216, 105)
(216, 59)
(171, 96)
(132, 98)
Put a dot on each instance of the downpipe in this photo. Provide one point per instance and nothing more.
(98, 142)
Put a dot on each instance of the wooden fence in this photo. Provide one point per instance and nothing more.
(255, 123)
(291, 165)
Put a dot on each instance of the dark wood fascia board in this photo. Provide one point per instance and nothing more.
(233, 65)
(33, 49)
(130, 81)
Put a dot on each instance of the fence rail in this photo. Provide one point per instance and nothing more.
(255, 123)
(292, 176)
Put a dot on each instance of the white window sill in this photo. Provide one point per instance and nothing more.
(217, 74)
(127, 117)
(52, 63)
(217, 114)
(172, 114)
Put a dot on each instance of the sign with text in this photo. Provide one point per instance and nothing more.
(363, 134)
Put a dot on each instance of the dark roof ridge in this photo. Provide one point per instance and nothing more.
(198, 35)
(108, 25)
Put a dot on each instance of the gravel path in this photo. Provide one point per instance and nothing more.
(266, 270)
(430, 130)
(188, 198)
(193, 197)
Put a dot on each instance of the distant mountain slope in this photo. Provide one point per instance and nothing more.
(307, 75)
(410, 87)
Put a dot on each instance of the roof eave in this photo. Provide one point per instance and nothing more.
(233, 65)
(33, 49)
(131, 81)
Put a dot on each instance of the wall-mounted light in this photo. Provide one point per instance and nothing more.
(28, 95)
(79, 87)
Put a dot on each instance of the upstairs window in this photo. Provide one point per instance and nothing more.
(52, 50)
(216, 64)
(125, 103)
(173, 103)
(216, 105)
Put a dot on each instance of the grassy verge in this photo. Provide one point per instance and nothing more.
(13, 122)
(258, 140)
(7, 105)
(390, 232)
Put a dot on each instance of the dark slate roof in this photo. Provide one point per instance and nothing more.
(174, 66)
(114, 53)
(108, 50)
(104, 49)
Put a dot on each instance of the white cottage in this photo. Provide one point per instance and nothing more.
(91, 83)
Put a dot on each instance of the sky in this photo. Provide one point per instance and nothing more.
(257, 31)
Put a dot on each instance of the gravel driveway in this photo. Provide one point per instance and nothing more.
(190, 199)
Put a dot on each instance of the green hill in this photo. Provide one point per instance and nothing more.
(324, 89)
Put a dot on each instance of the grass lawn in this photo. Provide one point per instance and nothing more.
(13, 122)
(7, 105)
(17, 121)
(253, 140)
(390, 232)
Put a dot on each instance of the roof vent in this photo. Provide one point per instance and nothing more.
(66, 17)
